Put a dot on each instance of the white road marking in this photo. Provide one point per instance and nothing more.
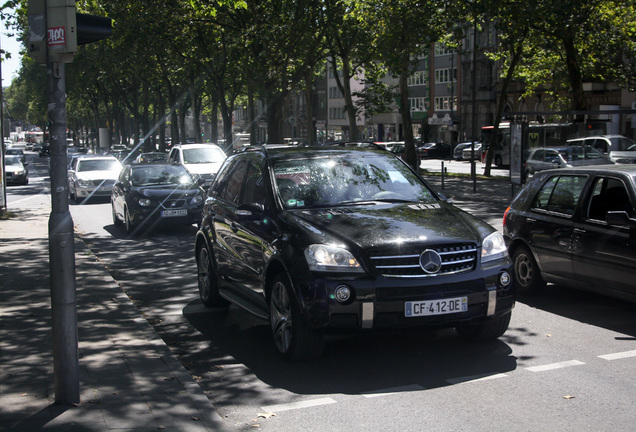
(553, 366)
(620, 355)
(474, 378)
(298, 405)
(393, 390)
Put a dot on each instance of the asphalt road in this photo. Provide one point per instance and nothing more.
(566, 363)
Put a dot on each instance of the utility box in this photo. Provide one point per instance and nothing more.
(52, 32)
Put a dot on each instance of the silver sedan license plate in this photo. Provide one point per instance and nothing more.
(174, 213)
(436, 307)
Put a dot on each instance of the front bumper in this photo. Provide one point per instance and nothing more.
(380, 302)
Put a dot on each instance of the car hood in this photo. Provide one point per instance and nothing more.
(203, 168)
(97, 175)
(14, 168)
(373, 226)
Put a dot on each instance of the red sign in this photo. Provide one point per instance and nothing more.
(56, 36)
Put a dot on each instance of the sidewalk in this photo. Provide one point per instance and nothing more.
(129, 379)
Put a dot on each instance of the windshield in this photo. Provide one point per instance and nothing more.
(160, 175)
(347, 179)
(624, 144)
(12, 161)
(98, 165)
(203, 155)
(574, 153)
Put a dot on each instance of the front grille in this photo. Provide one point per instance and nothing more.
(173, 203)
(456, 258)
(103, 183)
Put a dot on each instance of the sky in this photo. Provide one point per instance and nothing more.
(11, 66)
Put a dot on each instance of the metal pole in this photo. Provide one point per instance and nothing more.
(474, 105)
(61, 248)
(4, 207)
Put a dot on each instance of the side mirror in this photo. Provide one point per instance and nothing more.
(250, 211)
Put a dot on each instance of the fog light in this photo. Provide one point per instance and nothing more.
(504, 279)
(342, 294)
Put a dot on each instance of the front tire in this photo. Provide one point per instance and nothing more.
(116, 220)
(527, 277)
(293, 339)
(491, 328)
(207, 280)
(130, 227)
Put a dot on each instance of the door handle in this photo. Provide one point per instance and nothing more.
(580, 230)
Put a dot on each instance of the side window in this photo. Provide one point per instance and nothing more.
(254, 191)
(231, 187)
(538, 155)
(608, 194)
(541, 202)
(551, 156)
(561, 194)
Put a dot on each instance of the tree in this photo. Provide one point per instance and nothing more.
(405, 30)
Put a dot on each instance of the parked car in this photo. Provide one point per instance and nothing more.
(618, 148)
(468, 154)
(399, 149)
(458, 151)
(152, 157)
(92, 176)
(541, 159)
(575, 226)
(434, 150)
(201, 160)
(15, 171)
(152, 193)
(13, 151)
(345, 239)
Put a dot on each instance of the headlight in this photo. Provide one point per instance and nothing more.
(144, 202)
(84, 183)
(18, 172)
(493, 248)
(331, 258)
(197, 199)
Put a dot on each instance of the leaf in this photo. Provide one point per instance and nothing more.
(266, 415)
(568, 397)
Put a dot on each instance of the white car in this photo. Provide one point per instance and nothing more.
(201, 160)
(92, 176)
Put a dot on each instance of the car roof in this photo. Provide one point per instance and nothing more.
(626, 169)
(199, 145)
(278, 153)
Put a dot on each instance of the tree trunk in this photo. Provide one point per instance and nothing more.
(407, 124)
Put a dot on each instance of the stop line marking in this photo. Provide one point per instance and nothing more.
(553, 366)
(620, 355)
(299, 405)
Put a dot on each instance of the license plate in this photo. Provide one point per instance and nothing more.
(174, 213)
(436, 307)
(105, 189)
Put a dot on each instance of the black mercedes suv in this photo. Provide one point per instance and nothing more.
(332, 239)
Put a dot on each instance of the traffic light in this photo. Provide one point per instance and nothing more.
(56, 29)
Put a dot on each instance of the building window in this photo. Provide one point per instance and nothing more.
(335, 93)
(445, 75)
(444, 103)
(418, 78)
(337, 113)
(441, 49)
(417, 103)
